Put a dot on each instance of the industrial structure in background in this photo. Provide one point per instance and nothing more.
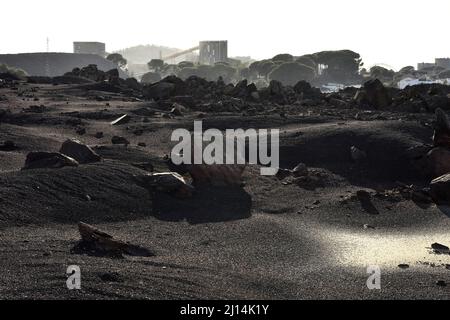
(438, 62)
(443, 63)
(212, 52)
(98, 48)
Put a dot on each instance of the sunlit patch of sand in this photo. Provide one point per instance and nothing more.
(385, 249)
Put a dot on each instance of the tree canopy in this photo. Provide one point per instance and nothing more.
(117, 59)
(290, 73)
(155, 65)
(341, 66)
(283, 57)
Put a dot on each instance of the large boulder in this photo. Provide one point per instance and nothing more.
(276, 88)
(167, 182)
(96, 241)
(119, 140)
(79, 151)
(438, 101)
(439, 161)
(90, 72)
(306, 91)
(51, 160)
(160, 90)
(112, 75)
(374, 94)
(133, 84)
(440, 189)
(216, 175)
(441, 135)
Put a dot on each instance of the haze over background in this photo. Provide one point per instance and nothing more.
(397, 33)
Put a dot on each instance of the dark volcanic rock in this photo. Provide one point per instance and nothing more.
(441, 135)
(119, 140)
(159, 90)
(306, 91)
(440, 189)
(79, 151)
(99, 135)
(53, 160)
(92, 72)
(435, 102)
(132, 83)
(439, 161)
(374, 94)
(300, 170)
(144, 111)
(276, 88)
(8, 145)
(440, 248)
(168, 182)
(439, 157)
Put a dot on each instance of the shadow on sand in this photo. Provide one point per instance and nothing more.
(209, 204)
(445, 209)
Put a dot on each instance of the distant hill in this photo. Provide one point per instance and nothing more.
(144, 53)
(35, 64)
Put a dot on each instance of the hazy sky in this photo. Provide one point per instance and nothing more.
(395, 32)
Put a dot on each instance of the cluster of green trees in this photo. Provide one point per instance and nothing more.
(185, 69)
(391, 77)
(117, 59)
(322, 67)
(327, 66)
(343, 66)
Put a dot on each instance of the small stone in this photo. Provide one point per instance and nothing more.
(283, 173)
(357, 154)
(110, 277)
(403, 266)
(440, 248)
(119, 140)
(176, 111)
(300, 170)
(99, 135)
(81, 131)
(441, 283)
(8, 145)
(363, 195)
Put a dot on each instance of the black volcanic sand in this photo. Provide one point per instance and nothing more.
(271, 239)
